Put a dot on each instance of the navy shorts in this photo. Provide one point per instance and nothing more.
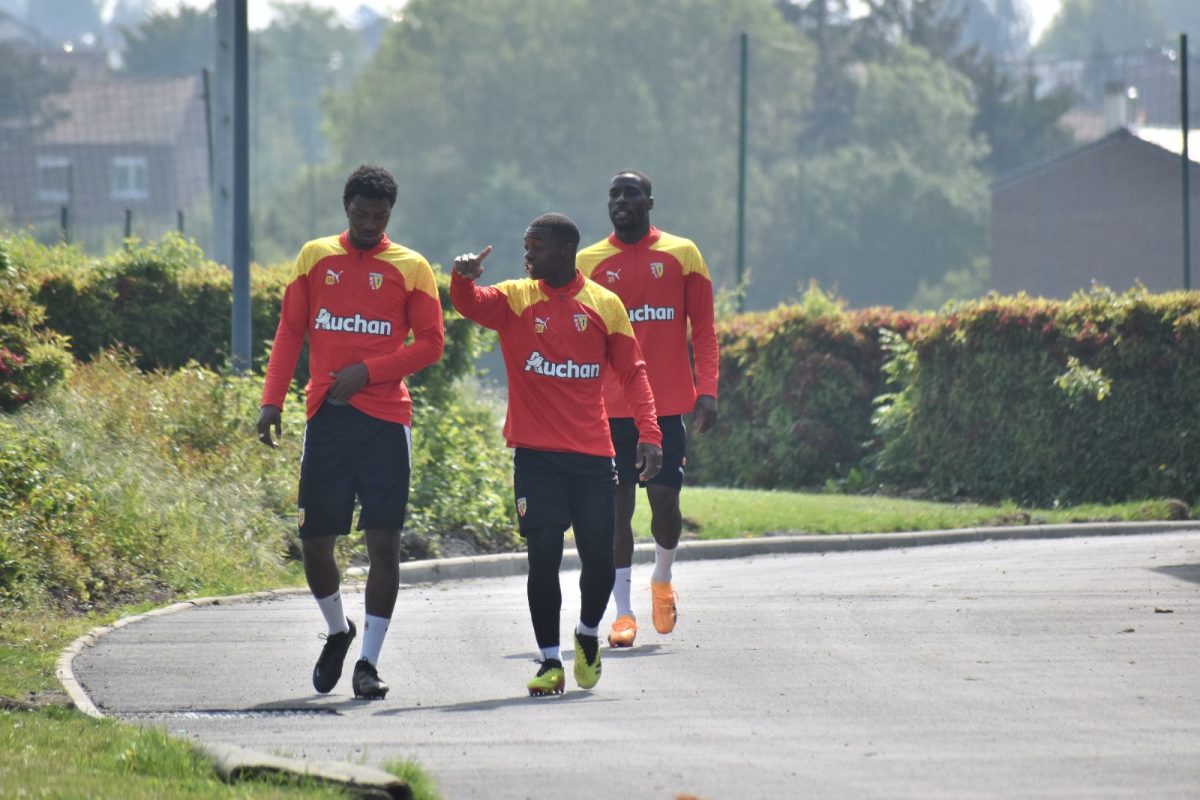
(674, 447)
(349, 454)
(563, 490)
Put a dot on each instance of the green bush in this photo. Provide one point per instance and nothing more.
(125, 485)
(32, 359)
(796, 392)
(1094, 399)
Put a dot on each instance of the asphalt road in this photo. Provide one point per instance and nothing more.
(1060, 668)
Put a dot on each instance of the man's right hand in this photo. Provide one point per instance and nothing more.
(269, 417)
(470, 265)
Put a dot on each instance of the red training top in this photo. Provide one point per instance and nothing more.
(357, 305)
(558, 346)
(664, 284)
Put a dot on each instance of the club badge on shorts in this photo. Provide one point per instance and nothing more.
(521, 506)
(300, 519)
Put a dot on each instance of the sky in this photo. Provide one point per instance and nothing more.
(259, 11)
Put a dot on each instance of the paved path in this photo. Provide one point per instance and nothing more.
(1043, 668)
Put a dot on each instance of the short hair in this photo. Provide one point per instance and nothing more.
(642, 178)
(370, 181)
(561, 227)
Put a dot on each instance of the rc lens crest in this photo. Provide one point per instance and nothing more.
(376, 280)
(656, 269)
(581, 322)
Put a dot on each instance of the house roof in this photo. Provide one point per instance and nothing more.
(126, 111)
(1168, 142)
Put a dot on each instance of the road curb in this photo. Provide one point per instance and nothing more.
(509, 564)
(234, 763)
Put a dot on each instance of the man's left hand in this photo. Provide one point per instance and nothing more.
(705, 412)
(346, 383)
(649, 460)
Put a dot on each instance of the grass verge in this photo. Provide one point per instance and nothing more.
(714, 513)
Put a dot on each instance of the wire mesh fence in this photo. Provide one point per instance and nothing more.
(112, 158)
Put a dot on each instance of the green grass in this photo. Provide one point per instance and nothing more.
(56, 752)
(712, 513)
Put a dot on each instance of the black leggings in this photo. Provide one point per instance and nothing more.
(555, 491)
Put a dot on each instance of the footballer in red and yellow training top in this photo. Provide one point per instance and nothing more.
(664, 283)
(558, 345)
(358, 305)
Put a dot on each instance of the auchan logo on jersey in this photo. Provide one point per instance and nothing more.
(570, 370)
(356, 324)
(649, 313)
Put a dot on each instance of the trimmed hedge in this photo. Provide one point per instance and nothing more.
(797, 390)
(1095, 399)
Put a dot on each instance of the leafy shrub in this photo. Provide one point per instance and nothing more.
(1093, 399)
(32, 360)
(797, 387)
(127, 485)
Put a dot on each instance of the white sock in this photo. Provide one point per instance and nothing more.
(621, 590)
(586, 630)
(335, 615)
(372, 641)
(663, 559)
(554, 652)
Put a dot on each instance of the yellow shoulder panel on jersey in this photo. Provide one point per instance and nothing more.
(418, 275)
(521, 293)
(314, 251)
(684, 251)
(587, 259)
(608, 305)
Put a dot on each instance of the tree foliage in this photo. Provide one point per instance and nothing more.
(493, 111)
(168, 43)
(28, 86)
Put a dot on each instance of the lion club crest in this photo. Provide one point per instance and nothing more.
(540, 324)
(521, 506)
(656, 269)
(581, 321)
(376, 280)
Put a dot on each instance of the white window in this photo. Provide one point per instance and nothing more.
(53, 179)
(129, 178)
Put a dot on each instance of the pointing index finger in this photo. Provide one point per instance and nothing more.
(484, 253)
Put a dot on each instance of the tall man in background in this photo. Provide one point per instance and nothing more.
(562, 336)
(664, 283)
(356, 296)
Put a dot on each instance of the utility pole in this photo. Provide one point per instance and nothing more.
(741, 191)
(1187, 189)
(231, 157)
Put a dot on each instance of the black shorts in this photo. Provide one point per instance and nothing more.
(563, 490)
(674, 447)
(350, 454)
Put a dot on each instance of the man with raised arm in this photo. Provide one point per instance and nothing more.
(560, 336)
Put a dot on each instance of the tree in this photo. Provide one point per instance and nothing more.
(902, 201)
(493, 111)
(27, 86)
(60, 20)
(171, 43)
(1087, 28)
(295, 64)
